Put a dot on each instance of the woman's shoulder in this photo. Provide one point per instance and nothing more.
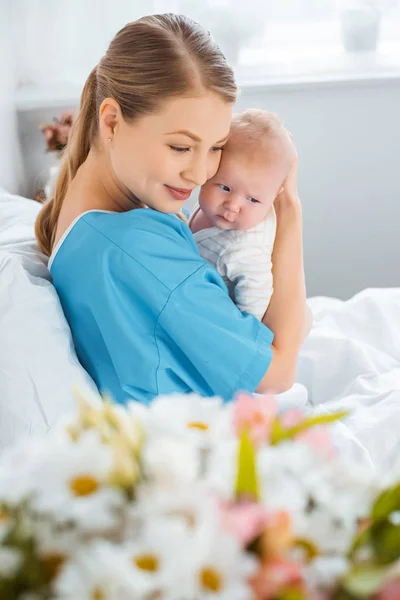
(162, 244)
(123, 228)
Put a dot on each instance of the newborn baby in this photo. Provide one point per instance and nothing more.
(234, 223)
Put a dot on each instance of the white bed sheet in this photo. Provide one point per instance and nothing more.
(38, 365)
(351, 361)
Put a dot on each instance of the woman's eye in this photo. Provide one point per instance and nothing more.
(179, 149)
(217, 148)
(254, 200)
(224, 187)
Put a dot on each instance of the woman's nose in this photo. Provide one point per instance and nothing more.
(196, 172)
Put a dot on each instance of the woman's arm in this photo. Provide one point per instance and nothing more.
(287, 315)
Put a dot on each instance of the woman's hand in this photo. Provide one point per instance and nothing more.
(288, 194)
(286, 315)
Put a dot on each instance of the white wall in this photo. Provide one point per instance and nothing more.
(348, 139)
(10, 159)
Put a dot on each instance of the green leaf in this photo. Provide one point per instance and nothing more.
(246, 480)
(385, 540)
(281, 434)
(291, 594)
(360, 540)
(278, 433)
(364, 581)
(310, 422)
(387, 503)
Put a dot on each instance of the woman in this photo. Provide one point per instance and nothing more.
(148, 315)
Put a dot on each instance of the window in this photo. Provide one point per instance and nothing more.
(263, 40)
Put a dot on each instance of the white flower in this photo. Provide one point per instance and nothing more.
(221, 568)
(55, 541)
(325, 571)
(72, 483)
(99, 570)
(288, 474)
(188, 505)
(10, 562)
(159, 559)
(170, 463)
(294, 477)
(222, 468)
(186, 416)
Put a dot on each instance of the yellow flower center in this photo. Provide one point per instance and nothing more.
(97, 594)
(147, 562)
(211, 580)
(198, 425)
(84, 485)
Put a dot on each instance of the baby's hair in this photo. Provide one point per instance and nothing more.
(256, 132)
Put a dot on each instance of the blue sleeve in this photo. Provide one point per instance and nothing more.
(207, 342)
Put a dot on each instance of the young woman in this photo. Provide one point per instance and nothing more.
(148, 315)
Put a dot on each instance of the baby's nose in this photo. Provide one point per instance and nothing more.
(232, 205)
(230, 216)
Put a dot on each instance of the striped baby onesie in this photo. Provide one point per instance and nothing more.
(243, 259)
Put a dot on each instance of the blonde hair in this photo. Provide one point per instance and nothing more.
(256, 133)
(147, 62)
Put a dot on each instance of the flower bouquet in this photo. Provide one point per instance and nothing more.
(191, 499)
(56, 134)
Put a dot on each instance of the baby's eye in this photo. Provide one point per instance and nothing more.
(224, 187)
(253, 200)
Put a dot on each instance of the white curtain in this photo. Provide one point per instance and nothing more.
(10, 151)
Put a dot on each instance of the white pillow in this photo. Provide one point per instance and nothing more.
(38, 364)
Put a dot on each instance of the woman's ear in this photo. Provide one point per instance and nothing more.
(109, 113)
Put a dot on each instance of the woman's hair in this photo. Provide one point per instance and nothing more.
(147, 62)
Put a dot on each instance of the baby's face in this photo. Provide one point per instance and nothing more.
(240, 195)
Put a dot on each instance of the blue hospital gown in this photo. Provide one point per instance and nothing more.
(148, 315)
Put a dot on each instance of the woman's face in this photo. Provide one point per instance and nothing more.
(162, 157)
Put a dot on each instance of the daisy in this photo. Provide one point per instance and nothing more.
(186, 416)
(222, 570)
(170, 463)
(159, 559)
(98, 572)
(72, 483)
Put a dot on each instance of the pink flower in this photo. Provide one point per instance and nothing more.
(391, 591)
(291, 418)
(276, 576)
(246, 520)
(277, 536)
(49, 134)
(318, 437)
(255, 414)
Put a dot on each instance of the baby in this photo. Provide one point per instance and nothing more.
(234, 224)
